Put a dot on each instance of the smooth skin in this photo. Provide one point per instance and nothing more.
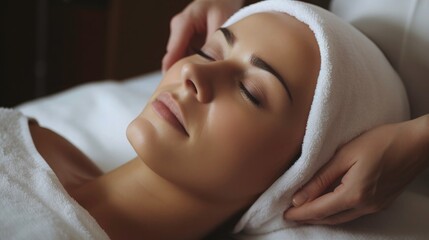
(370, 168)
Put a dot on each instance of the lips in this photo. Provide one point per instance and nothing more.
(168, 108)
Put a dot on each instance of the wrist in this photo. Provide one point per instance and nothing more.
(426, 135)
(423, 123)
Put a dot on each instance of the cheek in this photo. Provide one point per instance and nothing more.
(173, 75)
(250, 152)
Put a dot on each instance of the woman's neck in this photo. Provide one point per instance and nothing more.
(134, 202)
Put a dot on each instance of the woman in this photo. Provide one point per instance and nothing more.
(207, 121)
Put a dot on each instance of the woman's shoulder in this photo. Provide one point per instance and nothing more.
(69, 164)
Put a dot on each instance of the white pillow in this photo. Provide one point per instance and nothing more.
(401, 29)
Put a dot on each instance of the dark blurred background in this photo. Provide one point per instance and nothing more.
(50, 45)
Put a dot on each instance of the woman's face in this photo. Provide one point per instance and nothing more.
(227, 122)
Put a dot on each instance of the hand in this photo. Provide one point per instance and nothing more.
(194, 24)
(374, 168)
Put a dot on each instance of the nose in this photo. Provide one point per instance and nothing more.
(197, 80)
(206, 80)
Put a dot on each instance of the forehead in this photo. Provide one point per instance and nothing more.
(283, 41)
(268, 30)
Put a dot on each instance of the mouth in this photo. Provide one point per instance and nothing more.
(169, 109)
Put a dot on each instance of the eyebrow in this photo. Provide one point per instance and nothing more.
(229, 36)
(257, 61)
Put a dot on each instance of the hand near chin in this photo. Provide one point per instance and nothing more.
(365, 175)
(189, 28)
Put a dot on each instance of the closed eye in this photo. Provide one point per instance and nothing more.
(249, 95)
(204, 55)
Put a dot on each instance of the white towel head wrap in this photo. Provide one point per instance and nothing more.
(356, 90)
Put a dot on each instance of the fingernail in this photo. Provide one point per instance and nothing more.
(299, 199)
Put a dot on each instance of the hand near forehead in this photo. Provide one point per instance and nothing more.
(191, 27)
(365, 175)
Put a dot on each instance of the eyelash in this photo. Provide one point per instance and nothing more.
(203, 54)
(243, 88)
(255, 101)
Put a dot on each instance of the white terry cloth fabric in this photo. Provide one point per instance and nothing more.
(33, 203)
(356, 90)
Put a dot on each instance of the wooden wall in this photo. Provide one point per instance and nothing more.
(50, 45)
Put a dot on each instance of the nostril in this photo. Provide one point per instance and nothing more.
(191, 85)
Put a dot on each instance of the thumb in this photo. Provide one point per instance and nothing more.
(322, 180)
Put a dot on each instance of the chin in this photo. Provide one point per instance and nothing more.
(140, 134)
(147, 141)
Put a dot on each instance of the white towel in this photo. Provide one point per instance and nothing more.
(356, 90)
(33, 203)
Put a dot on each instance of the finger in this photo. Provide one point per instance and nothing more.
(339, 218)
(320, 208)
(323, 179)
(182, 31)
(167, 61)
(214, 21)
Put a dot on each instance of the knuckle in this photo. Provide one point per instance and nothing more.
(365, 196)
(320, 182)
